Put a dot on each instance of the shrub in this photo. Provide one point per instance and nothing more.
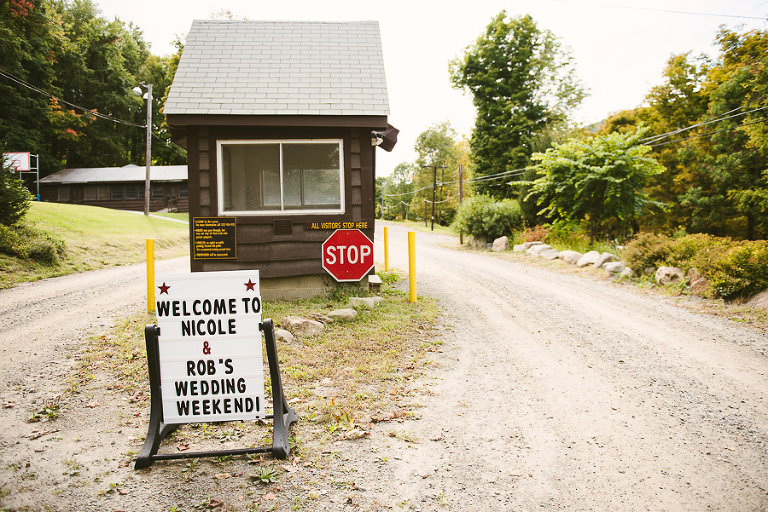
(14, 198)
(742, 272)
(486, 219)
(30, 243)
(646, 250)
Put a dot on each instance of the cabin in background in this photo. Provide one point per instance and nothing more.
(119, 188)
(280, 121)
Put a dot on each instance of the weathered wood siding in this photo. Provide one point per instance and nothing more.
(258, 244)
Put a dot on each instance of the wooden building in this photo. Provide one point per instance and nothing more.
(119, 188)
(281, 121)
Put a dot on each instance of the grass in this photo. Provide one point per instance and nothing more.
(351, 375)
(94, 238)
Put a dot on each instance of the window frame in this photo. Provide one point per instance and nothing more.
(283, 208)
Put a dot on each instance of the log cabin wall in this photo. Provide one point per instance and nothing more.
(280, 245)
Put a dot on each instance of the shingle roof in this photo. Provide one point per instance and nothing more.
(118, 174)
(280, 68)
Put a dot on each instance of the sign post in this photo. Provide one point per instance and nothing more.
(205, 360)
(348, 255)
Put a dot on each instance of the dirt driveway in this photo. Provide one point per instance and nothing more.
(552, 392)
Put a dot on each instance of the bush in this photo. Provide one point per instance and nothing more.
(31, 244)
(646, 250)
(742, 272)
(486, 219)
(14, 198)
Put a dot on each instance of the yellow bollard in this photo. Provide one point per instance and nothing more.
(386, 249)
(150, 275)
(412, 264)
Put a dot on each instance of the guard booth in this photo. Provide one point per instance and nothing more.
(281, 121)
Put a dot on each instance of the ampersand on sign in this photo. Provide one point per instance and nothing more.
(206, 348)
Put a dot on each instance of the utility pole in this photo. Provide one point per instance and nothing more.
(461, 198)
(434, 188)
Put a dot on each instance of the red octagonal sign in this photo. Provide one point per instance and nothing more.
(348, 255)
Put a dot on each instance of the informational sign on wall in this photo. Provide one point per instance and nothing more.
(214, 238)
(211, 366)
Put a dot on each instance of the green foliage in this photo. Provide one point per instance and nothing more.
(523, 85)
(30, 243)
(742, 272)
(14, 198)
(596, 181)
(735, 269)
(485, 218)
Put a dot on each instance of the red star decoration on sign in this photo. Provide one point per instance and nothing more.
(249, 285)
(164, 288)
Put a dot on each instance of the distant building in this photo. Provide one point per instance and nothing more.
(281, 121)
(119, 188)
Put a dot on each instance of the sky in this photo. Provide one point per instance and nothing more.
(620, 47)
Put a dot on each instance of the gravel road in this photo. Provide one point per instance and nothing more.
(552, 392)
(562, 393)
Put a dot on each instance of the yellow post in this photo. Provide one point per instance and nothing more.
(412, 264)
(386, 249)
(150, 275)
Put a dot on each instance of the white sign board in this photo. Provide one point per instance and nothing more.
(211, 366)
(19, 162)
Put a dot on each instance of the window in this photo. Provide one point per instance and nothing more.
(116, 192)
(63, 194)
(90, 193)
(183, 190)
(103, 192)
(131, 192)
(281, 177)
(156, 191)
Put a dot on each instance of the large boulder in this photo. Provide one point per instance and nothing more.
(536, 250)
(364, 302)
(549, 254)
(697, 283)
(500, 244)
(613, 267)
(299, 326)
(571, 257)
(604, 258)
(588, 259)
(669, 275)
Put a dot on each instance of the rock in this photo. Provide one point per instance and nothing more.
(588, 259)
(613, 267)
(759, 300)
(627, 273)
(519, 248)
(549, 254)
(500, 244)
(571, 257)
(321, 318)
(669, 275)
(528, 245)
(365, 302)
(649, 270)
(343, 315)
(536, 250)
(299, 326)
(284, 336)
(699, 286)
(604, 258)
(476, 243)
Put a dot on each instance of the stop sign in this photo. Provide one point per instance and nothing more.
(348, 255)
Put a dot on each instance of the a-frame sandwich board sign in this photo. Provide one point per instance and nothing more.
(205, 361)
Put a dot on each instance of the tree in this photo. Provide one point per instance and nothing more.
(14, 197)
(398, 191)
(600, 181)
(437, 162)
(523, 84)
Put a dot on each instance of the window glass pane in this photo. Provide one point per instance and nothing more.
(90, 193)
(103, 192)
(156, 191)
(311, 175)
(183, 190)
(250, 175)
(130, 192)
(63, 193)
(117, 192)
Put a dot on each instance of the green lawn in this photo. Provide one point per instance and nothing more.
(94, 238)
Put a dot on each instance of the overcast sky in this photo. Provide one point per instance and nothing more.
(620, 47)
